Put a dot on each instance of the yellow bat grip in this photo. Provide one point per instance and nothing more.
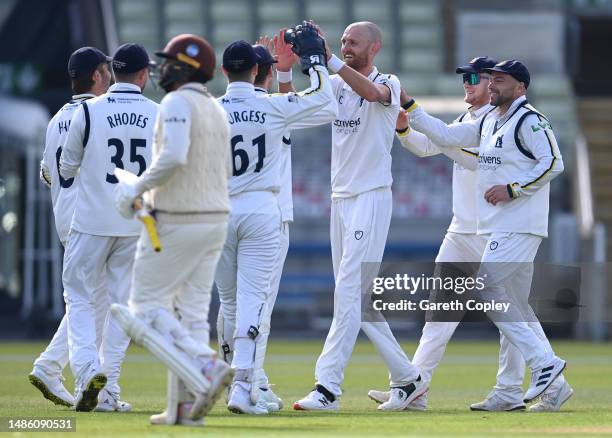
(149, 224)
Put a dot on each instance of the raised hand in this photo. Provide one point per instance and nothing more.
(282, 52)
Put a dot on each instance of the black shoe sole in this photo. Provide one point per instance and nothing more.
(89, 400)
(40, 385)
(517, 408)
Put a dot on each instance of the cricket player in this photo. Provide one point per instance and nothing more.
(187, 188)
(258, 123)
(362, 137)
(518, 157)
(461, 243)
(90, 76)
(283, 60)
(111, 131)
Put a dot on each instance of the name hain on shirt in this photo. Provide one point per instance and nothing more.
(251, 116)
(123, 119)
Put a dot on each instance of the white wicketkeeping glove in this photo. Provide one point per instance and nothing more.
(126, 193)
(45, 176)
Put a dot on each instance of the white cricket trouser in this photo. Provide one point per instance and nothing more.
(510, 256)
(179, 278)
(88, 261)
(358, 229)
(54, 359)
(517, 248)
(264, 329)
(456, 247)
(245, 270)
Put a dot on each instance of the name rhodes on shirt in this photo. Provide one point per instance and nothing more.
(489, 162)
(347, 126)
(121, 119)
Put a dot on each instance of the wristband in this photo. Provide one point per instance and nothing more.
(403, 131)
(408, 105)
(334, 63)
(284, 76)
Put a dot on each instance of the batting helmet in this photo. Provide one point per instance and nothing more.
(194, 56)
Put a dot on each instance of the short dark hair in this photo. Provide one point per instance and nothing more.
(83, 84)
(126, 77)
(243, 76)
(262, 73)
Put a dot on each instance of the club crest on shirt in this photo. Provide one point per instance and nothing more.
(499, 143)
(358, 234)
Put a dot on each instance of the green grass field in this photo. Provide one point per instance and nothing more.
(465, 376)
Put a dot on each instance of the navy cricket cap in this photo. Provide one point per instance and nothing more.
(130, 58)
(264, 57)
(514, 68)
(84, 61)
(477, 65)
(239, 56)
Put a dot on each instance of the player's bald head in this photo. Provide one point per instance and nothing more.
(368, 29)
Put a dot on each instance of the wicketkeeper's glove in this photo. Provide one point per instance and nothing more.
(309, 46)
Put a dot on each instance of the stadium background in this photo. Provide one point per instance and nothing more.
(564, 43)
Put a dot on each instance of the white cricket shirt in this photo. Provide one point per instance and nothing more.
(109, 131)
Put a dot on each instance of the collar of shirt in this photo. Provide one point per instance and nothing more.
(122, 87)
(197, 86)
(82, 96)
(510, 112)
(239, 89)
(261, 90)
(373, 74)
(476, 113)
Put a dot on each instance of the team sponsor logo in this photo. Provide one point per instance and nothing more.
(111, 99)
(539, 126)
(175, 120)
(493, 245)
(358, 234)
(347, 126)
(499, 143)
(489, 162)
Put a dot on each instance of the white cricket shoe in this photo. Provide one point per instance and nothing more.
(51, 387)
(401, 397)
(494, 403)
(553, 399)
(86, 397)
(240, 401)
(542, 378)
(319, 399)
(418, 404)
(274, 402)
(220, 376)
(182, 417)
(108, 402)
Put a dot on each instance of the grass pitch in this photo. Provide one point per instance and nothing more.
(465, 376)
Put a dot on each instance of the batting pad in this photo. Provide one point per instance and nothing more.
(178, 360)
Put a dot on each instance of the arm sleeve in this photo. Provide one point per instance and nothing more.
(537, 138)
(175, 114)
(461, 135)
(318, 98)
(45, 175)
(417, 143)
(394, 86)
(76, 141)
(420, 145)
